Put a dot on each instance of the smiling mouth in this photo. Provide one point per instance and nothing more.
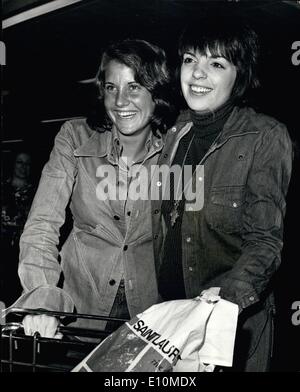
(199, 90)
(126, 115)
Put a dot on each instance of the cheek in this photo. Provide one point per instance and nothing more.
(108, 106)
(148, 106)
(228, 89)
(184, 87)
(225, 87)
(230, 83)
(107, 102)
(152, 107)
(183, 77)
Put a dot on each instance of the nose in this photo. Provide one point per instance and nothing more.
(199, 72)
(122, 98)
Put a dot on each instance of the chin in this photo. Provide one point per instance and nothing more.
(199, 108)
(127, 132)
(196, 105)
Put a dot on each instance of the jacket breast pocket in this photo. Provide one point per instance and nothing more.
(225, 208)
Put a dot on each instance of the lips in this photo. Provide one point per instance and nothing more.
(125, 115)
(200, 90)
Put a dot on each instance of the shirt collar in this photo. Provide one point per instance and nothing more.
(107, 143)
(96, 145)
(153, 144)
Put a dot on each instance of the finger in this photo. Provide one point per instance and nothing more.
(51, 324)
(37, 325)
(58, 335)
(28, 325)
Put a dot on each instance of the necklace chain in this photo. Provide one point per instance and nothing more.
(174, 214)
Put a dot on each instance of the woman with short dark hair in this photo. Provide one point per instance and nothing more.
(234, 239)
(235, 41)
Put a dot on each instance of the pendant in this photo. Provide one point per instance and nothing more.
(174, 214)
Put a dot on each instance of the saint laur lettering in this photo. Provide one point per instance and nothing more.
(156, 339)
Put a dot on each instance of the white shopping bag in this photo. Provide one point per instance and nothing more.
(181, 335)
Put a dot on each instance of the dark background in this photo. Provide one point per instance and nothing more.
(48, 57)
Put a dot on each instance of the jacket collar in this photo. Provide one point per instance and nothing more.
(95, 146)
(101, 144)
(238, 123)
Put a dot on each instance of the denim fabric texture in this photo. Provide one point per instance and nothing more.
(235, 240)
(96, 254)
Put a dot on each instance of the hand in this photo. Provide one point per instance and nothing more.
(45, 325)
(210, 295)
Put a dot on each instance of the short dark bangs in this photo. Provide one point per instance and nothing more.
(219, 46)
(232, 39)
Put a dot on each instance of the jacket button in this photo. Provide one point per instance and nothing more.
(158, 183)
(251, 298)
(188, 239)
(112, 282)
(155, 236)
(125, 247)
(128, 213)
(234, 205)
(173, 129)
(156, 211)
(166, 155)
(116, 217)
(191, 269)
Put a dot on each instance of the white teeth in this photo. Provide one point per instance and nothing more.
(199, 89)
(126, 114)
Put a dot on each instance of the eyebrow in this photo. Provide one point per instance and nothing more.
(218, 57)
(129, 83)
(212, 56)
(190, 53)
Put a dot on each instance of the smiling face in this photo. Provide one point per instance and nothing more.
(206, 81)
(128, 104)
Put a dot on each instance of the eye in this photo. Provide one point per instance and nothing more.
(109, 88)
(187, 59)
(217, 64)
(134, 87)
